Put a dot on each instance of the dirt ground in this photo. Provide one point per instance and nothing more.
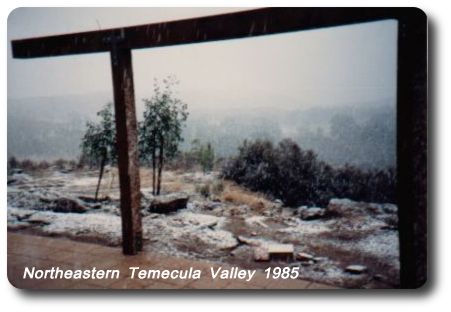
(222, 222)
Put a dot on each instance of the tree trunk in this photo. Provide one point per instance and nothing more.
(160, 165)
(154, 168)
(102, 166)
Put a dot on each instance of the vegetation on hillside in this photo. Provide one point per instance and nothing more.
(297, 177)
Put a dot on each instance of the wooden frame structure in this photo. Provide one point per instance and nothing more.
(411, 97)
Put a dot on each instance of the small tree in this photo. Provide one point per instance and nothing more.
(203, 154)
(160, 132)
(13, 162)
(99, 141)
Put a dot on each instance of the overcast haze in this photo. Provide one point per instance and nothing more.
(330, 71)
(350, 63)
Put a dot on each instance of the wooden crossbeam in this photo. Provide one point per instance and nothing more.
(217, 27)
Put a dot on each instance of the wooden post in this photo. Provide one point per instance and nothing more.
(127, 146)
(412, 147)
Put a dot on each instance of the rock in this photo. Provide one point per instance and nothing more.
(92, 200)
(67, 205)
(196, 220)
(344, 207)
(213, 205)
(383, 208)
(356, 269)
(390, 208)
(41, 218)
(168, 203)
(19, 214)
(95, 206)
(16, 171)
(303, 256)
(348, 208)
(248, 241)
(215, 239)
(18, 226)
(256, 220)
(312, 213)
(307, 263)
(261, 254)
(19, 178)
(379, 277)
(196, 230)
(11, 181)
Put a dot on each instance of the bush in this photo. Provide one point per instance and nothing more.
(201, 156)
(254, 167)
(298, 177)
(217, 187)
(203, 189)
(210, 188)
(297, 174)
(43, 165)
(31, 165)
(13, 163)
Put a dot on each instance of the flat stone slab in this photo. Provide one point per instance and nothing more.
(356, 269)
(280, 251)
(303, 256)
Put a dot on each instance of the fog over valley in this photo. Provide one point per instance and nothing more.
(332, 90)
(49, 128)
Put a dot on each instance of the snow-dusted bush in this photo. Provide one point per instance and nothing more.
(298, 177)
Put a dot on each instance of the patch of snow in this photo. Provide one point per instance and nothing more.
(308, 227)
(256, 220)
(15, 213)
(194, 219)
(101, 225)
(219, 239)
(384, 245)
(83, 181)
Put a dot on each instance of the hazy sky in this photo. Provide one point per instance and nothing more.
(348, 64)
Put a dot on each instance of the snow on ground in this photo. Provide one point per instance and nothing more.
(302, 227)
(357, 233)
(82, 225)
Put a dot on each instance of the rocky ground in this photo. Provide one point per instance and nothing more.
(346, 244)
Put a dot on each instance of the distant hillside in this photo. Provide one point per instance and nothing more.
(49, 127)
(362, 134)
